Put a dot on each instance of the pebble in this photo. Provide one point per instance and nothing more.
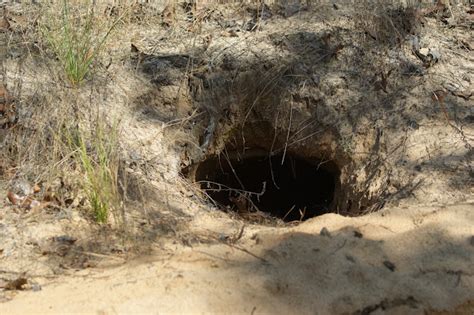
(35, 287)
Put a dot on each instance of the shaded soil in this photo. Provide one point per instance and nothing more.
(293, 190)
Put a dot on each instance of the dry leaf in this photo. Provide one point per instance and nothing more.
(3, 90)
(36, 188)
(13, 198)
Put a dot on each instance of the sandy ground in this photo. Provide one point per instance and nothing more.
(396, 147)
(398, 261)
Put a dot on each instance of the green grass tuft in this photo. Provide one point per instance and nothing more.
(98, 158)
(76, 39)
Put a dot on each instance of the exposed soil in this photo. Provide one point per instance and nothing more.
(278, 159)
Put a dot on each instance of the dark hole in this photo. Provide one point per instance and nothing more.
(295, 191)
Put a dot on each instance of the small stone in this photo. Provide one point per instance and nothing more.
(325, 232)
(223, 237)
(434, 54)
(135, 156)
(424, 51)
(358, 234)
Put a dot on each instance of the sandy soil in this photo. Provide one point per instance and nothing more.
(323, 83)
(398, 261)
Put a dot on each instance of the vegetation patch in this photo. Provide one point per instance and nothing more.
(77, 37)
(97, 156)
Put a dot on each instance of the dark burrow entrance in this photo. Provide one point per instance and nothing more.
(295, 190)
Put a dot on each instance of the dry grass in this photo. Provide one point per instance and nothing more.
(77, 36)
(386, 23)
(60, 139)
